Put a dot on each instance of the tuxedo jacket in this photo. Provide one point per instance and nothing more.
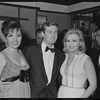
(38, 77)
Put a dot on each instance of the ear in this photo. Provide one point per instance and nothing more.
(42, 34)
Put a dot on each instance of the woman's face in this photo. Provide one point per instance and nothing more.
(73, 42)
(14, 38)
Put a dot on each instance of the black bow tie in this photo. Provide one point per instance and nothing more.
(51, 49)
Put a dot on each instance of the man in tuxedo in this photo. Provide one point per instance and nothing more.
(45, 62)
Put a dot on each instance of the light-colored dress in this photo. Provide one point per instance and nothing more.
(17, 88)
(73, 77)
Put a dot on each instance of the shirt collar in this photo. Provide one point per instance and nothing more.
(44, 46)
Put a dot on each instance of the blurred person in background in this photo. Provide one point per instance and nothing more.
(93, 27)
(39, 37)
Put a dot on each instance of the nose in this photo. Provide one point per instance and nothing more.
(15, 38)
(54, 34)
(70, 42)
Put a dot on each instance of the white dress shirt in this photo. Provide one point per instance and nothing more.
(48, 59)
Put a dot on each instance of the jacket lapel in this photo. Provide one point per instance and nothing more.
(43, 68)
(54, 71)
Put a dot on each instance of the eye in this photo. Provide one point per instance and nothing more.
(67, 40)
(75, 40)
(9, 35)
(19, 35)
(50, 31)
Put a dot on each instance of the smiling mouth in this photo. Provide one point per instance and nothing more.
(71, 47)
(15, 43)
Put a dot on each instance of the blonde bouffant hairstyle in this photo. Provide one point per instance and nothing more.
(77, 31)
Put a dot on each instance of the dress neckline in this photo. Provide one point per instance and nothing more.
(11, 60)
(75, 56)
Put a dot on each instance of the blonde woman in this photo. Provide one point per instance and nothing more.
(77, 68)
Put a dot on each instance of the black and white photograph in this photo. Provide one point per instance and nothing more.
(50, 49)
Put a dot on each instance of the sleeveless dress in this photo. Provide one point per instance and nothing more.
(73, 77)
(11, 87)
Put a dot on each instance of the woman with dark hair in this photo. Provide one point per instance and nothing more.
(77, 68)
(14, 77)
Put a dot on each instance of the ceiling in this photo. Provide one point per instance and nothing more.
(66, 2)
(62, 2)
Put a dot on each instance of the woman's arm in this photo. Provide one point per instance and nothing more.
(2, 62)
(91, 75)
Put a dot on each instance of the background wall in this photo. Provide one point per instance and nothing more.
(59, 8)
(26, 15)
(29, 27)
(7, 11)
(54, 12)
(59, 18)
(64, 20)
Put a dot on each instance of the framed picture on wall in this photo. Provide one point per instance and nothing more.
(84, 24)
(41, 20)
(82, 21)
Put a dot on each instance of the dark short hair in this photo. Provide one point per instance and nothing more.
(10, 24)
(47, 24)
(39, 30)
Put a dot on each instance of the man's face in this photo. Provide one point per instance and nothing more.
(98, 37)
(39, 38)
(93, 27)
(50, 35)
